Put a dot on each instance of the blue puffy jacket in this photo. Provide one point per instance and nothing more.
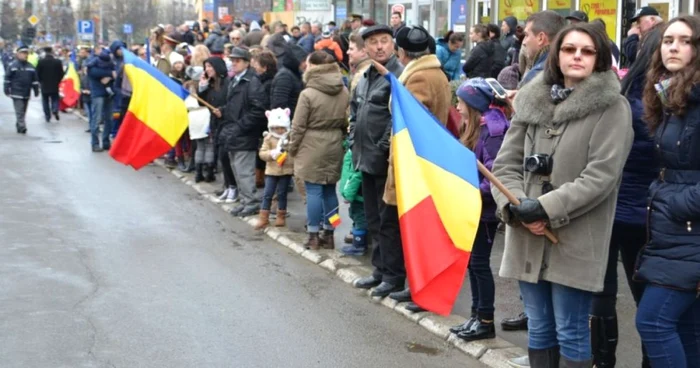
(640, 169)
(671, 258)
(98, 68)
(451, 61)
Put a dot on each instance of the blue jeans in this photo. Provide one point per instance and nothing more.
(668, 322)
(558, 316)
(480, 275)
(101, 111)
(277, 184)
(321, 200)
(49, 107)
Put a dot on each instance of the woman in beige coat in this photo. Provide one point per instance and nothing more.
(563, 157)
(316, 143)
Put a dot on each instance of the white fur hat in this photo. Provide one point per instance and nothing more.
(278, 118)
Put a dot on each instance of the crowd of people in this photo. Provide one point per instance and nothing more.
(602, 156)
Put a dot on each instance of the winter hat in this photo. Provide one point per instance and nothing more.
(22, 48)
(476, 93)
(413, 39)
(509, 76)
(278, 118)
(105, 55)
(218, 64)
(326, 34)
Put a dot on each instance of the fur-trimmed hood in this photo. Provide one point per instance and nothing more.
(325, 78)
(534, 105)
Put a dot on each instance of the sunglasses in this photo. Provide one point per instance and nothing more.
(235, 38)
(571, 50)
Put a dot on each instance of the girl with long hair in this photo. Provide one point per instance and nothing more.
(480, 60)
(668, 318)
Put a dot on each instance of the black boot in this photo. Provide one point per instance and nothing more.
(466, 326)
(209, 176)
(481, 329)
(603, 340)
(198, 177)
(515, 323)
(544, 358)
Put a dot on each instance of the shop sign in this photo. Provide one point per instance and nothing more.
(605, 10)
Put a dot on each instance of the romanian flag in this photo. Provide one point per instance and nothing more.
(281, 158)
(439, 203)
(334, 218)
(156, 117)
(70, 87)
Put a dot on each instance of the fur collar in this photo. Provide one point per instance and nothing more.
(422, 63)
(533, 104)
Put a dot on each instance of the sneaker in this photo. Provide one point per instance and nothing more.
(520, 362)
(232, 195)
(223, 195)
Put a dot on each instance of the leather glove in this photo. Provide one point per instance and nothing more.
(529, 211)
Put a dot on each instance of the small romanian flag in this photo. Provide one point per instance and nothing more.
(281, 158)
(334, 218)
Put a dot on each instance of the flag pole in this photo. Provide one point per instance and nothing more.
(205, 103)
(511, 198)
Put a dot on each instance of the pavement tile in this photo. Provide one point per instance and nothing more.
(296, 247)
(388, 302)
(330, 265)
(471, 348)
(342, 259)
(498, 358)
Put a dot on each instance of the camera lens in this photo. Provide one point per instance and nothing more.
(532, 163)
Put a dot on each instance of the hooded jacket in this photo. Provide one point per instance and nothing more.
(244, 113)
(98, 68)
(480, 61)
(328, 43)
(671, 257)
(216, 96)
(287, 84)
(216, 41)
(319, 126)
(509, 39)
(50, 73)
(118, 63)
(370, 120)
(450, 60)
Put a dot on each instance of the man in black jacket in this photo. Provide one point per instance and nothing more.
(49, 70)
(244, 117)
(370, 134)
(20, 80)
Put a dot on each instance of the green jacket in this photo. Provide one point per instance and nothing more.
(350, 180)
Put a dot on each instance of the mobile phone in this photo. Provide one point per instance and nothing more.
(497, 88)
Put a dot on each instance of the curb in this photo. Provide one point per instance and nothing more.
(493, 352)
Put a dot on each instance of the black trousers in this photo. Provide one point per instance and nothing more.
(229, 179)
(383, 221)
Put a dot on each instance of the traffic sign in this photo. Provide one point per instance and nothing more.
(48, 37)
(85, 26)
(33, 20)
(128, 29)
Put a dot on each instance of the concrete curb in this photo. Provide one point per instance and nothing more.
(493, 353)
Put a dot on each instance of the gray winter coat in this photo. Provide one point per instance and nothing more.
(593, 127)
(370, 120)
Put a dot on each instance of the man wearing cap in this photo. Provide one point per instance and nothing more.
(577, 17)
(20, 80)
(50, 72)
(370, 134)
(167, 52)
(644, 20)
(424, 78)
(244, 121)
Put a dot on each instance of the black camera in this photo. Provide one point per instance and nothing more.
(539, 163)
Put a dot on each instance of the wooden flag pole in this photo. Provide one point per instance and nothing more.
(494, 180)
(205, 103)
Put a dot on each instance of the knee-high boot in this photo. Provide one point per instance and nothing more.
(603, 340)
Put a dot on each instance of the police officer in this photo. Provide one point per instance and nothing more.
(20, 79)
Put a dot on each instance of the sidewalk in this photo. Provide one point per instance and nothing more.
(493, 353)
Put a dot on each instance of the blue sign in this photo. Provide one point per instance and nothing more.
(48, 37)
(85, 26)
(341, 14)
(128, 29)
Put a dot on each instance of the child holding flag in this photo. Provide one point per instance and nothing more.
(279, 168)
(483, 132)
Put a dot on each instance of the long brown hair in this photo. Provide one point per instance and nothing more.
(681, 84)
(471, 129)
(603, 61)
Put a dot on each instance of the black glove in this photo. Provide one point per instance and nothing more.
(529, 211)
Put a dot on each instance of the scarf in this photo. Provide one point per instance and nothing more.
(560, 93)
(662, 90)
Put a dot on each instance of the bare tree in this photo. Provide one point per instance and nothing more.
(9, 30)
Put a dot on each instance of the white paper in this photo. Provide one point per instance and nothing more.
(199, 123)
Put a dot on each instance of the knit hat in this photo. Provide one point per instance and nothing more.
(326, 34)
(278, 118)
(509, 76)
(476, 93)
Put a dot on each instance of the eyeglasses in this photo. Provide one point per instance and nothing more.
(235, 38)
(571, 50)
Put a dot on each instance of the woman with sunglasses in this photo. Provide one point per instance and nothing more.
(668, 317)
(573, 131)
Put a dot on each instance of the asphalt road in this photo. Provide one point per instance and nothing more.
(102, 266)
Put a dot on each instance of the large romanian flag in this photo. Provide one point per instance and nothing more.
(156, 117)
(439, 203)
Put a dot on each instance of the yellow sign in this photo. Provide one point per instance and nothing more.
(606, 10)
(33, 20)
(520, 9)
(558, 4)
(662, 8)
